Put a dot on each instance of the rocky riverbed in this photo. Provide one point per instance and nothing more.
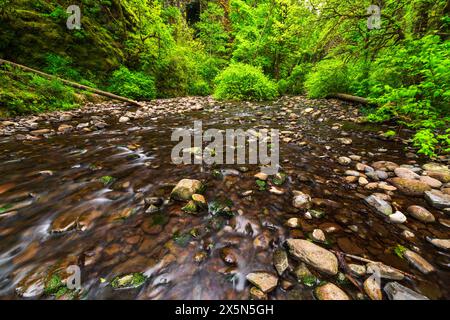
(352, 214)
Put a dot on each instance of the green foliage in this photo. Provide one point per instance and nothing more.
(399, 250)
(411, 85)
(244, 82)
(22, 93)
(327, 77)
(107, 180)
(132, 84)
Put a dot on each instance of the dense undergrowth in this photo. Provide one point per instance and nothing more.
(237, 49)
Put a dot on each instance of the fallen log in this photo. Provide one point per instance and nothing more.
(348, 97)
(71, 83)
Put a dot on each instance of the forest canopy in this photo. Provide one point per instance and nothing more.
(396, 53)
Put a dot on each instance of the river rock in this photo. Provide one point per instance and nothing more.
(373, 289)
(228, 256)
(123, 119)
(293, 223)
(432, 166)
(256, 294)
(352, 173)
(421, 214)
(65, 128)
(438, 199)
(442, 176)
(384, 271)
(185, 189)
(344, 161)
(382, 175)
(264, 281)
(301, 200)
(40, 132)
(379, 205)
(330, 291)
(432, 182)
(357, 269)
(346, 141)
(405, 173)
(410, 187)
(440, 243)
(396, 291)
(313, 255)
(417, 261)
(397, 217)
(384, 165)
(318, 235)
(280, 261)
(261, 176)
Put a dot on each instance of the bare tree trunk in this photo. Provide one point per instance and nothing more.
(71, 84)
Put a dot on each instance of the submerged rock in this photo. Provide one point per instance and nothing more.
(313, 255)
(397, 217)
(185, 189)
(330, 291)
(406, 173)
(396, 291)
(301, 200)
(379, 205)
(264, 281)
(420, 213)
(438, 199)
(417, 261)
(384, 271)
(373, 289)
(440, 243)
(280, 261)
(410, 187)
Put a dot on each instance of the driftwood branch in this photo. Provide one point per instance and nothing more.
(71, 83)
(348, 97)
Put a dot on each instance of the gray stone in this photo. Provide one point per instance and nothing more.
(438, 199)
(396, 291)
(379, 205)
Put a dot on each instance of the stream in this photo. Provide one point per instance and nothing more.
(91, 188)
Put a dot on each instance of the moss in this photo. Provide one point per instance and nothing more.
(190, 207)
(107, 180)
(128, 281)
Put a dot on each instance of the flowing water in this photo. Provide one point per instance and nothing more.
(58, 210)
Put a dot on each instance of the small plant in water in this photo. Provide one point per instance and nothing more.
(262, 185)
(5, 208)
(399, 250)
(132, 280)
(106, 180)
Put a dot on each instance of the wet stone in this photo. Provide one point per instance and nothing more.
(280, 261)
(330, 291)
(421, 214)
(396, 291)
(438, 199)
(379, 205)
(410, 187)
(418, 261)
(313, 255)
(264, 281)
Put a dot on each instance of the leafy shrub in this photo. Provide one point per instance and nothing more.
(199, 88)
(62, 67)
(294, 83)
(328, 77)
(132, 84)
(244, 82)
(411, 84)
